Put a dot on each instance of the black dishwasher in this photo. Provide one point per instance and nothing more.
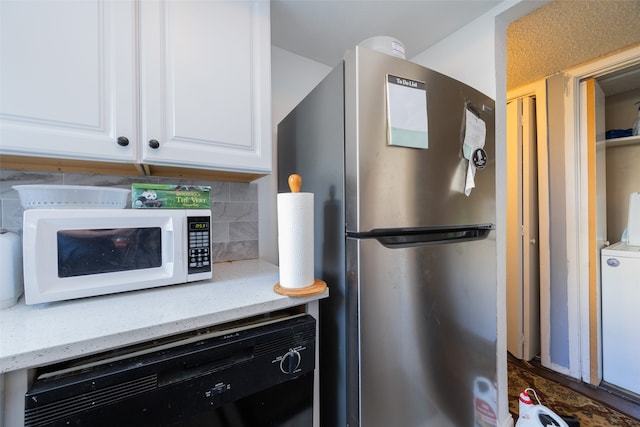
(255, 374)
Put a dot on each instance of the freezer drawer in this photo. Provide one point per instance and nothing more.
(426, 331)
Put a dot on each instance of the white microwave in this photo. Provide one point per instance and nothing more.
(76, 253)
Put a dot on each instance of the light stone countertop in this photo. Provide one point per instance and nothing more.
(41, 334)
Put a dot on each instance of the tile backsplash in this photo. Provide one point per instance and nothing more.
(234, 206)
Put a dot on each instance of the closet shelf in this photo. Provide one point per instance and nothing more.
(619, 142)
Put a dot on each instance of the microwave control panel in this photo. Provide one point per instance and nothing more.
(199, 244)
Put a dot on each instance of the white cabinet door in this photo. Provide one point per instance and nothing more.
(67, 71)
(206, 84)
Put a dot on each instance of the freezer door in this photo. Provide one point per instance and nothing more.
(393, 186)
(425, 334)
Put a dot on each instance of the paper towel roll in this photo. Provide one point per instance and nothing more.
(295, 239)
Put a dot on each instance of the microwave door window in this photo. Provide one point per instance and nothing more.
(96, 251)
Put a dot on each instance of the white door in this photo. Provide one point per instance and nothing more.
(67, 73)
(206, 84)
(523, 282)
(596, 226)
(530, 238)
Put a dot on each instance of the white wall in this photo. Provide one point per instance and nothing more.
(292, 78)
(468, 55)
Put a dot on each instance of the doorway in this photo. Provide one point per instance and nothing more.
(527, 222)
(576, 340)
(603, 95)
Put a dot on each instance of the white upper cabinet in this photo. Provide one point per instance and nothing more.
(178, 83)
(67, 85)
(206, 79)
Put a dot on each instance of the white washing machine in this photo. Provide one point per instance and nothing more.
(621, 316)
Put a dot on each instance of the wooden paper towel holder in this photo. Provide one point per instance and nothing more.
(318, 286)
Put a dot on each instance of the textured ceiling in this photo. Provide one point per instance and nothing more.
(564, 33)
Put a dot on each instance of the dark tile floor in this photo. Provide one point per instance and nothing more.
(591, 406)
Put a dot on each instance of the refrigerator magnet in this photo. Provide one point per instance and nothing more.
(479, 158)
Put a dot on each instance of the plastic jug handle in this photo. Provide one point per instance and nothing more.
(548, 412)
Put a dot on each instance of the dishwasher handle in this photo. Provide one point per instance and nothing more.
(204, 364)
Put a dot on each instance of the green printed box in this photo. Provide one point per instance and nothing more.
(168, 196)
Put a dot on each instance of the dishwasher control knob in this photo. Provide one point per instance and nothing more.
(290, 362)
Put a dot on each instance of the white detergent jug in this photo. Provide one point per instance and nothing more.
(536, 415)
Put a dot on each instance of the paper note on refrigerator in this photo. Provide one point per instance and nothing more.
(407, 113)
(472, 147)
(475, 132)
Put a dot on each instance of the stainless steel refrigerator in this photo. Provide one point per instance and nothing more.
(408, 334)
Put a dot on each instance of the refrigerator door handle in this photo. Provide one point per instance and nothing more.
(395, 238)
